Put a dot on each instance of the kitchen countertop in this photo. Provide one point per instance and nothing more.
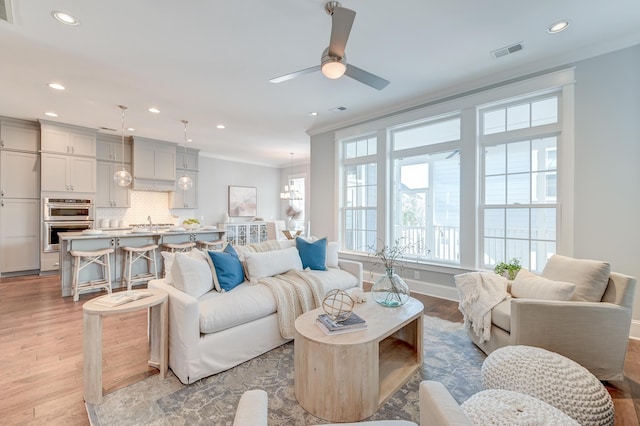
(128, 232)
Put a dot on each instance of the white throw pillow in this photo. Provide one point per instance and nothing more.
(191, 274)
(591, 277)
(332, 254)
(167, 262)
(532, 286)
(270, 263)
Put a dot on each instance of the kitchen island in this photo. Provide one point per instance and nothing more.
(117, 239)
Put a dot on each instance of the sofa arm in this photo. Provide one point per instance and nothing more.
(595, 335)
(438, 408)
(252, 409)
(352, 267)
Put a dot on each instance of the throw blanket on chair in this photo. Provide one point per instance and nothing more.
(295, 292)
(479, 293)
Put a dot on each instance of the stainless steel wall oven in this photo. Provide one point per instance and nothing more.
(65, 215)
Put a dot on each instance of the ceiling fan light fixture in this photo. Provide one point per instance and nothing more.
(333, 67)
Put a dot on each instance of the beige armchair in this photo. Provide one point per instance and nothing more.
(595, 334)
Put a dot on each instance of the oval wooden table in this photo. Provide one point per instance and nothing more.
(347, 377)
(92, 313)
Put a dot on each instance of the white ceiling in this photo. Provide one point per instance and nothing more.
(210, 62)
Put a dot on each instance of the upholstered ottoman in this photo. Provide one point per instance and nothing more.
(504, 407)
(552, 378)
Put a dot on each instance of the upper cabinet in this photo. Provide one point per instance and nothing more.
(66, 173)
(19, 136)
(187, 160)
(109, 148)
(154, 164)
(19, 174)
(67, 139)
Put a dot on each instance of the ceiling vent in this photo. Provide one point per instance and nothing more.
(508, 50)
(338, 109)
(5, 11)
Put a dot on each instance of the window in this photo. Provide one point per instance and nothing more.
(360, 189)
(519, 182)
(426, 189)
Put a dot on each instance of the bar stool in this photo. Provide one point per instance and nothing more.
(133, 254)
(211, 245)
(174, 247)
(83, 258)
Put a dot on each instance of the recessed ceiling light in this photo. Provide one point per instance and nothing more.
(558, 27)
(220, 126)
(56, 86)
(131, 129)
(313, 114)
(154, 110)
(65, 18)
(51, 114)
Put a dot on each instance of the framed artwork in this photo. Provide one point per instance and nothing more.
(243, 201)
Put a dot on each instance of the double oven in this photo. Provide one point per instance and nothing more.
(65, 215)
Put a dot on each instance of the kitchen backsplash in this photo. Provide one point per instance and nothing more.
(144, 204)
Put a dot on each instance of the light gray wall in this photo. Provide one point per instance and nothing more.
(607, 174)
(214, 177)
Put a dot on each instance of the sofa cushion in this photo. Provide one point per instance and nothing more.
(532, 286)
(271, 263)
(167, 262)
(501, 315)
(334, 278)
(332, 254)
(313, 254)
(245, 303)
(228, 268)
(191, 275)
(590, 276)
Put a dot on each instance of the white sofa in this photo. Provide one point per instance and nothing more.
(590, 326)
(219, 330)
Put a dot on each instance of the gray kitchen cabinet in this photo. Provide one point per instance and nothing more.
(19, 175)
(184, 199)
(109, 148)
(154, 160)
(67, 139)
(19, 136)
(19, 234)
(66, 173)
(187, 160)
(108, 193)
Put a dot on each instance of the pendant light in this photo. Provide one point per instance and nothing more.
(185, 183)
(290, 192)
(122, 177)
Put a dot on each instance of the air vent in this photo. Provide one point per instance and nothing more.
(105, 128)
(508, 50)
(338, 109)
(5, 11)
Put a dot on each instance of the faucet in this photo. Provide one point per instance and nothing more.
(150, 224)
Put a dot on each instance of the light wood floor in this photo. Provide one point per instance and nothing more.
(41, 354)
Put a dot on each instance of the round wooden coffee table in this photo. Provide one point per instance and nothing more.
(92, 313)
(347, 377)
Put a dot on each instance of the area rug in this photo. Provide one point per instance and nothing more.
(449, 357)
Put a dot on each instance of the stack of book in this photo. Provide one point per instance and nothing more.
(116, 299)
(329, 326)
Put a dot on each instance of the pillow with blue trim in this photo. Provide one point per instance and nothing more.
(228, 267)
(313, 254)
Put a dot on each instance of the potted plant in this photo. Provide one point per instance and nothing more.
(390, 289)
(508, 270)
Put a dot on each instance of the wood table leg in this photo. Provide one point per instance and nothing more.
(158, 338)
(92, 362)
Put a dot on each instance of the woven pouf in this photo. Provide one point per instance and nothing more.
(504, 407)
(552, 378)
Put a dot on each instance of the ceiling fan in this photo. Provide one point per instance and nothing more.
(333, 63)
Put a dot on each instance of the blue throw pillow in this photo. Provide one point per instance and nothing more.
(228, 267)
(313, 255)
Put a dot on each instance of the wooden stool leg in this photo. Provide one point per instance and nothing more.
(109, 289)
(75, 279)
(129, 264)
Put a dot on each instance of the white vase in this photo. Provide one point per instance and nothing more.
(291, 224)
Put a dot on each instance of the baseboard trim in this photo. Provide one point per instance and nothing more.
(450, 293)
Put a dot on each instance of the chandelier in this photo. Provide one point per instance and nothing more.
(122, 177)
(290, 191)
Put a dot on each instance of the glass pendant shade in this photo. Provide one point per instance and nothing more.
(122, 177)
(185, 183)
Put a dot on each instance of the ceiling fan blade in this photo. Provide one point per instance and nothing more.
(366, 77)
(295, 74)
(341, 23)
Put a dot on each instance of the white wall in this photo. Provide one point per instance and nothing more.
(607, 175)
(214, 177)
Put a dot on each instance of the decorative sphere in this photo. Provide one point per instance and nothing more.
(338, 305)
(122, 178)
(185, 183)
